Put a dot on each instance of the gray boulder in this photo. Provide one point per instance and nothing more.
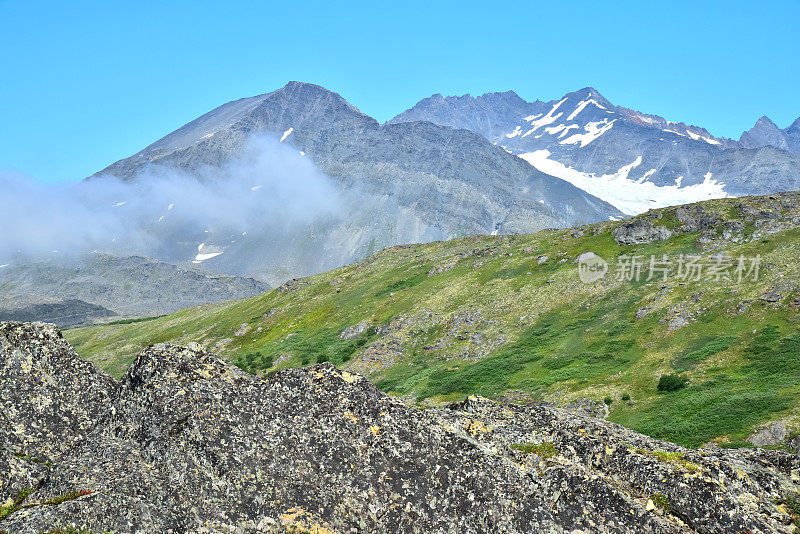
(639, 232)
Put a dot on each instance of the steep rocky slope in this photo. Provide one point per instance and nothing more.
(184, 442)
(510, 317)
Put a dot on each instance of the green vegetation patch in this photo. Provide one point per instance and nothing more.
(693, 356)
(675, 458)
(701, 412)
(660, 501)
(545, 450)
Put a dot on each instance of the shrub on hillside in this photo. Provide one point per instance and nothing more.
(671, 383)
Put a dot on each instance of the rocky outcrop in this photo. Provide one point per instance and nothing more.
(186, 443)
(638, 232)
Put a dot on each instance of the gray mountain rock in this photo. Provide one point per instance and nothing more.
(489, 114)
(767, 133)
(638, 232)
(764, 133)
(186, 443)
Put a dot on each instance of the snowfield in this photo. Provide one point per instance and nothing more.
(630, 196)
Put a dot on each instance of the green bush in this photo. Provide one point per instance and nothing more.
(626, 397)
(660, 500)
(670, 383)
(608, 401)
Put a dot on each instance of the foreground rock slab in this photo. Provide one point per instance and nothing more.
(187, 443)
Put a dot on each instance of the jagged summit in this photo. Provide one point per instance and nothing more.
(185, 442)
(764, 133)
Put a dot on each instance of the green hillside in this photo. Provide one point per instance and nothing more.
(508, 316)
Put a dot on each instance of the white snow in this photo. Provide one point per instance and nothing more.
(629, 196)
(286, 134)
(582, 104)
(709, 140)
(494, 232)
(673, 131)
(593, 131)
(555, 129)
(646, 120)
(302, 153)
(647, 175)
(4, 265)
(212, 252)
(567, 129)
(516, 132)
(544, 121)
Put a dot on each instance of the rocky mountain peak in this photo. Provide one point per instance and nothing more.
(764, 133)
(186, 442)
(586, 93)
(794, 127)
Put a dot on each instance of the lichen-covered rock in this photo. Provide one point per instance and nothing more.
(186, 443)
(49, 399)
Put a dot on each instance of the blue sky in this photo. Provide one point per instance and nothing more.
(86, 83)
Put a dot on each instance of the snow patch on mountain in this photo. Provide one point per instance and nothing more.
(206, 252)
(544, 121)
(582, 104)
(631, 196)
(593, 131)
(516, 132)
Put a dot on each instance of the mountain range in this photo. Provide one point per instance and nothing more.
(455, 166)
(396, 183)
(448, 167)
(633, 160)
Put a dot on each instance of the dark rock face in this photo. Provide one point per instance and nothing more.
(638, 232)
(186, 443)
